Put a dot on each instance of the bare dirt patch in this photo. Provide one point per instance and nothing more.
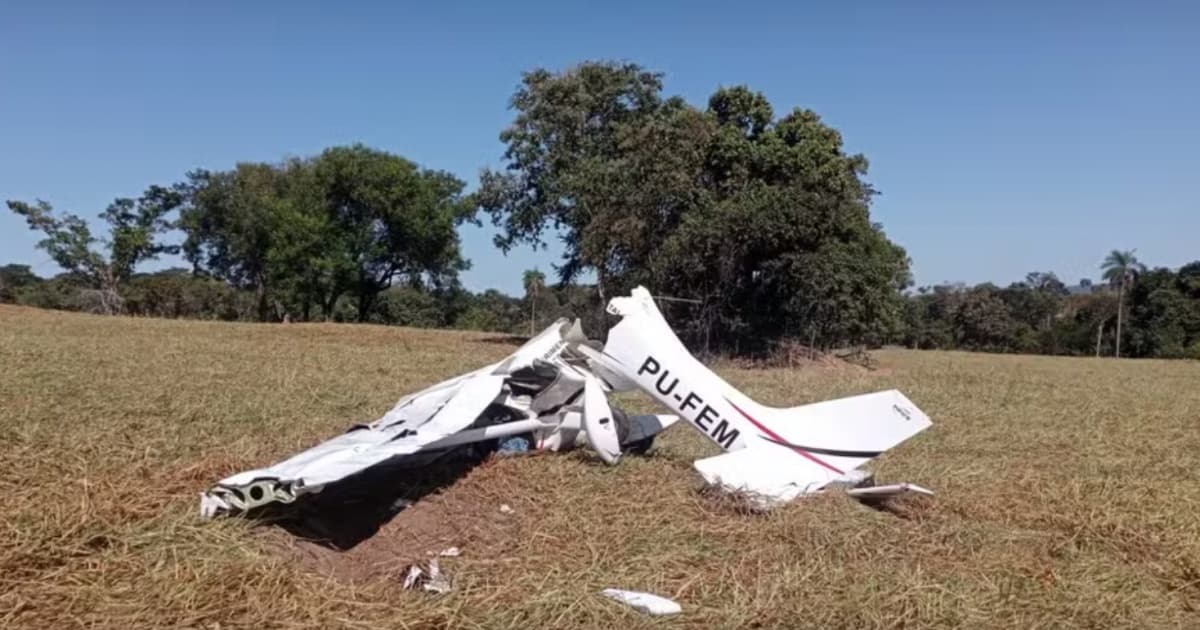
(466, 514)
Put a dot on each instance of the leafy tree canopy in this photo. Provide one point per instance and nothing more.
(301, 234)
(104, 263)
(763, 219)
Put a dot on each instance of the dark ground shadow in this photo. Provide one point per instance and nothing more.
(346, 513)
(506, 340)
(906, 508)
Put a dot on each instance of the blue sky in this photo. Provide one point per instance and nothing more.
(1016, 137)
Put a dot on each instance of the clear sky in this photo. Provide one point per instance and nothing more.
(1016, 137)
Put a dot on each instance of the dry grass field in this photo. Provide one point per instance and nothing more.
(1068, 495)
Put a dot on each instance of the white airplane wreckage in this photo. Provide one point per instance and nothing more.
(552, 395)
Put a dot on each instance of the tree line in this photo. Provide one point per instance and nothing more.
(1135, 312)
(759, 221)
(1152, 313)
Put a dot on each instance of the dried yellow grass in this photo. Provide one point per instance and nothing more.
(1068, 495)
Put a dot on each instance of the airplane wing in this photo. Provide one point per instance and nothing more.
(544, 390)
(457, 407)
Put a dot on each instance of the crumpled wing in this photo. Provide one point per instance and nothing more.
(414, 425)
(360, 448)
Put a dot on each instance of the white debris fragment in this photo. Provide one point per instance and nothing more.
(437, 582)
(414, 574)
(645, 602)
(504, 509)
(431, 579)
(450, 552)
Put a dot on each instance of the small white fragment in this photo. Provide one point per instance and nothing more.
(437, 582)
(645, 602)
(212, 506)
(504, 509)
(450, 552)
(414, 574)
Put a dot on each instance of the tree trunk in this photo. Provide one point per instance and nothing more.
(1099, 337)
(364, 298)
(327, 306)
(364, 306)
(532, 312)
(1120, 310)
(260, 294)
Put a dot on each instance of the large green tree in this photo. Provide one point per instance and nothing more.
(134, 227)
(302, 234)
(580, 141)
(235, 223)
(392, 220)
(763, 220)
(1164, 313)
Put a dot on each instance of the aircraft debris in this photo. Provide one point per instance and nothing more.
(437, 582)
(429, 579)
(645, 602)
(411, 577)
(552, 394)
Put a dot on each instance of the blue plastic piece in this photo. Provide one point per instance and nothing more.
(515, 444)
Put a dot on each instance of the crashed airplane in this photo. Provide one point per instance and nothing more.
(552, 394)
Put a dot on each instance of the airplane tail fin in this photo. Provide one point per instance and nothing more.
(840, 435)
(804, 449)
(815, 444)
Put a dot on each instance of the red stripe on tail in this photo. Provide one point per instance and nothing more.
(775, 436)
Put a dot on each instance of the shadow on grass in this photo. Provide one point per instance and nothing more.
(907, 508)
(515, 341)
(353, 510)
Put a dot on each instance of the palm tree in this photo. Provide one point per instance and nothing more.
(534, 281)
(1120, 269)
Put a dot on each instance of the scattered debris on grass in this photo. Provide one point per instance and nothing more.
(645, 602)
(438, 582)
(1049, 514)
(429, 579)
(410, 578)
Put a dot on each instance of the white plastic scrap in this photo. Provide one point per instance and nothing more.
(645, 602)
(450, 552)
(504, 509)
(414, 574)
(431, 579)
(437, 582)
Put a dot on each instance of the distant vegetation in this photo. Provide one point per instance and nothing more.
(1138, 312)
(760, 222)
